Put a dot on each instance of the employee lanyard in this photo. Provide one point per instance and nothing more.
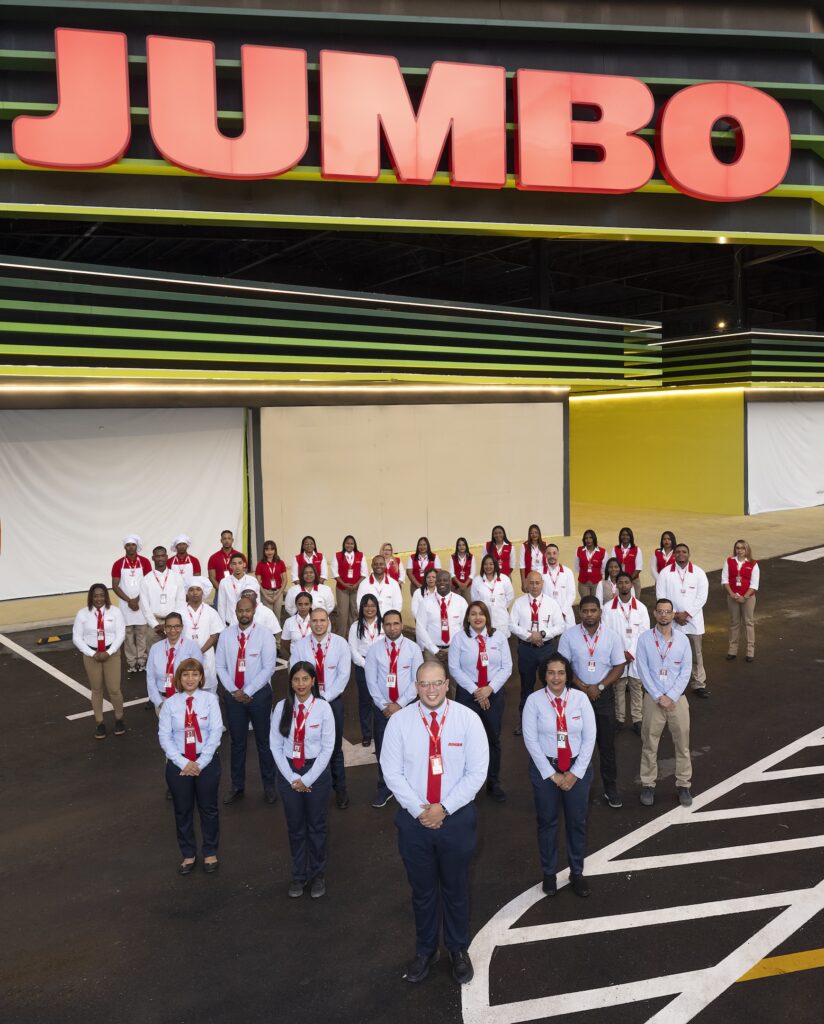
(627, 615)
(665, 655)
(555, 577)
(157, 579)
(303, 632)
(372, 631)
(560, 716)
(306, 709)
(683, 577)
(591, 649)
(435, 740)
(195, 622)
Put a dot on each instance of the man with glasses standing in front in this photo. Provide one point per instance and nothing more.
(434, 759)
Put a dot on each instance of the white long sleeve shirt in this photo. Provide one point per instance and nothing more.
(405, 756)
(664, 669)
(266, 619)
(550, 617)
(229, 593)
(171, 730)
(157, 661)
(497, 596)
(559, 584)
(359, 646)
(295, 628)
(161, 593)
(386, 592)
(84, 631)
(428, 622)
(628, 621)
(417, 597)
(463, 660)
(755, 578)
(322, 597)
(318, 741)
(337, 661)
(539, 725)
(200, 625)
(688, 590)
(377, 671)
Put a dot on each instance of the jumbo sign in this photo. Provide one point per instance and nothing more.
(361, 95)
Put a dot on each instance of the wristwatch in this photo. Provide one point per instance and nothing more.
(601, 687)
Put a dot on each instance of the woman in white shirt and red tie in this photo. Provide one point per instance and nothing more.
(364, 631)
(302, 738)
(741, 578)
(98, 633)
(480, 664)
(559, 733)
(348, 569)
(189, 730)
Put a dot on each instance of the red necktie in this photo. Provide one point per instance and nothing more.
(319, 666)
(393, 672)
(170, 671)
(191, 731)
(299, 738)
(534, 611)
(482, 663)
(444, 623)
(101, 631)
(433, 782)
(240, 664)
(564, 753)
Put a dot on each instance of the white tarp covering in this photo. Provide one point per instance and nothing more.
(785, 450)
(74, 482)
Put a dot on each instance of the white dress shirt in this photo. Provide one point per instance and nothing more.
(606, 591)
(229, 593)
(405, 756)
(497, 596)
(156, 665)
(377, 671)
(322, 597)
(539, 726)
(261, 658)
(387, 593)
(664, 670)
(199, 626)
(463, 660)
(84, 631)
(295, 628)
(161, 593)
(559, 584)
(359, 646)
(550, 617)
(337, 661)
(417, 597)
(318, 741)
(755, 578)
(171, 727)
(266, 619)
(428, 621)
(628, 621)
(688, 590)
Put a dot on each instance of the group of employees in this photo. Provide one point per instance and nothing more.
(433, 705)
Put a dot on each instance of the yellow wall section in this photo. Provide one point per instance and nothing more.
(680, 450)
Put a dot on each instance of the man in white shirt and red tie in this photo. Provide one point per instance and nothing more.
(245, 662)
(537, 621)
(218, 566)
(330, 655)
(434, 759)
(161, 592)
(559, 583)
(628, 619)
(685, 584)
(181, 562)
(440, 617)
(391, 664)
(380, 584)
(127, 575)
(231, 588)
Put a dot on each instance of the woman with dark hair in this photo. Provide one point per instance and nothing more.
(480, 663)
(608, 587)
(309, 555)
(189, 731)
(559, 733)
(589, 560)
(462, 566)
(270, 572)
(98, 633)
(423, 559)
(533, 554)
(629, 555)
(308, 583)
(430, 578)
(348, 568)
(364, 631)
(741, 578)
(500, 547)
(495, 590)
(664, 553)
(302, 738)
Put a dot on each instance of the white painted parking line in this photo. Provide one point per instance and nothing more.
(106, 707)
(694, 990)
(805, 556)
(46, 667)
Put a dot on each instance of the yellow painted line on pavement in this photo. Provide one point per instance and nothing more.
(789, 964)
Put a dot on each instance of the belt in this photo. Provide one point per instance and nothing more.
(308, 762)
(554, 762)
(526, 643)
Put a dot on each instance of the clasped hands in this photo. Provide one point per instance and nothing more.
(482, 695)
(191, 768)
(564, 780)
(432, 815)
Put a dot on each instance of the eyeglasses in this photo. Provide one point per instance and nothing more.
(433, 686)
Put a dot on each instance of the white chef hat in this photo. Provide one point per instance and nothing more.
(181, 538)
(202, 582)
(132, 538)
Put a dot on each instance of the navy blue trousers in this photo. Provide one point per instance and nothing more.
(548, 800)
(529, 658)
(365, 704)
(379, 729)
(336, 763)
(491, 721)
(307, 823)
(437, 865)
(604, 709)
(259, 712)
(187, 791)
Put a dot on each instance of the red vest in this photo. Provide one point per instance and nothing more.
(315, 560)
(462, 572)
(742, 573)
(627, 559)
(393, 569)
(504, 559)
(528, 567)
(418, 573)
(591, 571)
(349, 574)
(662, 560)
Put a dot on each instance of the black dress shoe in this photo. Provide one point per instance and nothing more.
(233, 795)
(186, 869)
(703, 693)
(550, 885)
(342, 800)
(418, 969)
(750, 657)
(496, 792)
(210, 867)
(270, 795)
(462, 969)
(579, 885)
(730, 657)
(366, 742)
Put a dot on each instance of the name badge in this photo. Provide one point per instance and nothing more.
(101, 635)
(444, 624)
(492, 600)
(170, 679)
(392, 679)
(163, 598)
(683, 590)
(436, 765)
(484, 659)
(738, 581)
(563, 740)
(590, 666)
(297, 751)
(628, 631)
(241, 665)
(190, 735)
(226, 572)
(662, 675)
(554, 593)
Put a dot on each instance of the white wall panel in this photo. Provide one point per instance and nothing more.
(785, 449)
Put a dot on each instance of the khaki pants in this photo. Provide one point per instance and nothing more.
(587, 589)
(100, 673)
(698, 678)
(677, 719)
(134, 646)
(346, 611)
(636, 698)
(273, 599)
(636, 586)
(739, 611)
